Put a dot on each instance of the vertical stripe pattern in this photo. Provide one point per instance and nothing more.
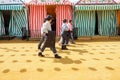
(37, 15)
(2, 29)
(107, 23)
(62, 12)
(85, 22)
(11, 7)
(17, 21)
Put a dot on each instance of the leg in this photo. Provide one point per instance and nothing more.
(43, 48)
(67, 37)
(71, 37)
(64, 43)
(60, 42)
(41, 41)
(55, 52)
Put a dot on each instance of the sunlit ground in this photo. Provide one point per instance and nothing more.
(85, 60)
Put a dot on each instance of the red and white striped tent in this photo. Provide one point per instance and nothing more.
(38, 11)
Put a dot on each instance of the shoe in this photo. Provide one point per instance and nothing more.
(40, 54)
(39, 47)
(57, 56)
(73, 42)
(64, 48)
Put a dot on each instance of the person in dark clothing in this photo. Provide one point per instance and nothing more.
(53, 24)
(49, 38)
(64, 34)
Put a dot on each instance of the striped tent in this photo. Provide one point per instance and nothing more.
(11, 7)
(107, 23)
(2, 29)
(62, 12)
(17, 22)
(38, 12)
(36, 18)
(97, 7)
(85, 22)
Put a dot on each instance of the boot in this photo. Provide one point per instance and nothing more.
(40, 54)
(64, 47)
(57, 56)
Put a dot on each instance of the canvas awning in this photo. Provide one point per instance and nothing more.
(50, 3)
(11, 7)
(97, 7)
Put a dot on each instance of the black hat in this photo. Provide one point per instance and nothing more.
(49, 17)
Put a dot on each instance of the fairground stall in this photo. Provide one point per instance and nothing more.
(97, 17)
(59, 9)
(13, 17)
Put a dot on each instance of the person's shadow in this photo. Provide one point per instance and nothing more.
(67, 60)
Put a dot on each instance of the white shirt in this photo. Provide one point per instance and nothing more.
(70, 26)
(64, 28)
(42, 30)
(46, 27)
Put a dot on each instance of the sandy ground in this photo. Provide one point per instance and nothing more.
(85, 60)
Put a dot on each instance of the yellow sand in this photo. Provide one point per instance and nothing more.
(85, 60)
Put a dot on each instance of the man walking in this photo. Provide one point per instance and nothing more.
(48, 38)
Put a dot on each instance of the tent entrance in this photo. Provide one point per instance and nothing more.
(51, 10)
(6, 16)
(96, 23)
(118, 19)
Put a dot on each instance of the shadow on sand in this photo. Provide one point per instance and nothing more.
(67, 60)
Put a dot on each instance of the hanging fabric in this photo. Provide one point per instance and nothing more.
(118, 21)
(17, 22)
(37, 15)
(62, 12)
(85, 22)
(107, 23)
(2, 29)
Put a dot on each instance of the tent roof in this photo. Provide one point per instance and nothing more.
(50, 2)
(11, 7)
(95, 2)
(97, 7)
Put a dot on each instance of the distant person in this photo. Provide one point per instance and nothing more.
(71, 32)
(64, 34)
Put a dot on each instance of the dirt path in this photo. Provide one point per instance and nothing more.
(85, 60)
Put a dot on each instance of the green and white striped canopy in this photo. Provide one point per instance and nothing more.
(97, 7)
(11, 7)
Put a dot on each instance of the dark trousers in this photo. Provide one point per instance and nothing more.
(65, 40)
(66, 37)
(46, 42)
(52, 48)
(71, 39)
